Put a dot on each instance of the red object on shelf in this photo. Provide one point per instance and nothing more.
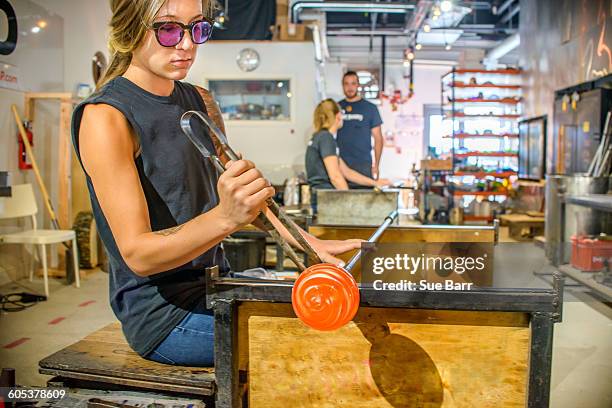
(508, 101)
(463, 115)
(589, 255)
(464, 85)
(480, 193)
(485, 154)
(484, 135)
(508, 71)
(503, 174)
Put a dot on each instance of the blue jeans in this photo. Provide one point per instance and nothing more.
(190, 343)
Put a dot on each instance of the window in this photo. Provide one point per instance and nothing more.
(253, 99)
(437, 132)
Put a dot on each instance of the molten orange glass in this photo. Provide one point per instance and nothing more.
(325, 297)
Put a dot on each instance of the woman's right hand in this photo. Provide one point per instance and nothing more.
(383, 183)
(243, 192)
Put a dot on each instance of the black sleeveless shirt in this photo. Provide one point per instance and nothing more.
(179, 184)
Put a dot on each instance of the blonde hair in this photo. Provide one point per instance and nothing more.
(128, 26)
(325, 114)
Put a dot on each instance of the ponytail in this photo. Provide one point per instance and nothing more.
(119, 63)
(325, 114)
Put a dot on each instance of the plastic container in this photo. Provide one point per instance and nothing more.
(590, 254)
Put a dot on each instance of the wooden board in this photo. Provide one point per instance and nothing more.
(104, 356)
(385, 358)
(398, 235)
(508, 219)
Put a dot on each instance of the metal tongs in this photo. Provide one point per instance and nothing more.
(199, 142)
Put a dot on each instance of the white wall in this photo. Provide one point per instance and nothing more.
(278, 149)
(39, 61)
(85, 32)
(408, 122)
(333, 79)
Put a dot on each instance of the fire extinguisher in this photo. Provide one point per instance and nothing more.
(23, 157)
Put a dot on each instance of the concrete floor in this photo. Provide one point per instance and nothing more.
(582, 366)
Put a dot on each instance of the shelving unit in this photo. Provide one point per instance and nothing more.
(483, 136)
(484, 154)
(480, 193)
(484, 107)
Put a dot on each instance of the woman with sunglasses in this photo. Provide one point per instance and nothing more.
(161, 210)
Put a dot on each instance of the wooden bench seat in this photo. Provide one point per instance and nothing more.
(523, 227)
(105, 357)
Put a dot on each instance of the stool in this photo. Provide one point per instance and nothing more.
(105, 359)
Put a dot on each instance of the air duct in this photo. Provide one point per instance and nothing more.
(347, 7)
(503, 48)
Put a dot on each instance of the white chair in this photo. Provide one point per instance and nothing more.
(23, 204)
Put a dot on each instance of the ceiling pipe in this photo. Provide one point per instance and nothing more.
(417, 19)
(510, 14)
(347, 7)
(503, 48)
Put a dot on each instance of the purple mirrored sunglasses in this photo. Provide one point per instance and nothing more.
(170, 33)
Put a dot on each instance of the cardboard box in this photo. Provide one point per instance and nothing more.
(436, 164)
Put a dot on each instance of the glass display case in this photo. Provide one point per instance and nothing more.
(253, 99)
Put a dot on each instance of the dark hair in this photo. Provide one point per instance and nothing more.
(349, 73)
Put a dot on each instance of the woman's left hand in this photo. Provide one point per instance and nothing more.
(327, 249)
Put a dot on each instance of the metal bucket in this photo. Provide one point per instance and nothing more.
(562, 225)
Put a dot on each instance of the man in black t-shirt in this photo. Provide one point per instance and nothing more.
(362, 122)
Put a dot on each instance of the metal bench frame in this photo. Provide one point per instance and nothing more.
(544, 307)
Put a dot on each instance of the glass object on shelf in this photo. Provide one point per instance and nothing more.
(253, 99)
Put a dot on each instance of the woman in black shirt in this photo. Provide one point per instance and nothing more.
(324, 167)
(161, 210)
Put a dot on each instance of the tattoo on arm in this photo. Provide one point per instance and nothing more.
(168, 231)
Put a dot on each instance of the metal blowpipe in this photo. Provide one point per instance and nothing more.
(199, 142)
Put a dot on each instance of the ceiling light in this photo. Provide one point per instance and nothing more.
(436, 11)
(448, 47)
(418, 47)
(42, 24)
(434, 18)
(409, 54)
(35, 29)
(427, 28)
(446, 5)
